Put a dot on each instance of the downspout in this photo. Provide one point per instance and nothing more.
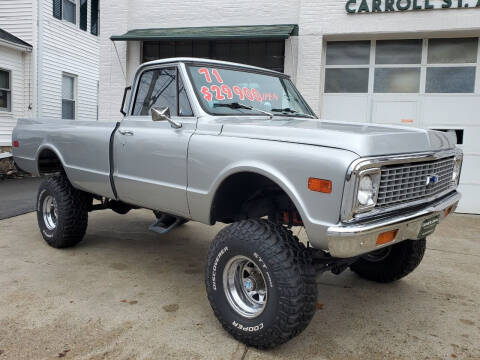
(38, 59)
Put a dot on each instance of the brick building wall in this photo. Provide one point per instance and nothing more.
(317, 20)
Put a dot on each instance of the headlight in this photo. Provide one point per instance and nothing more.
(457, 167)
(367, 190)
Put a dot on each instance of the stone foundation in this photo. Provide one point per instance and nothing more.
(8, 168)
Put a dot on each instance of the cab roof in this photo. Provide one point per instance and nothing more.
(202, 61)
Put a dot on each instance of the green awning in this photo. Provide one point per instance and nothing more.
(211, 33)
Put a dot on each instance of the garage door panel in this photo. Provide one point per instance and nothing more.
(346, 107)
(470, 168)
(470, 198)
(451, 109)
(398, 112)
(471, 139)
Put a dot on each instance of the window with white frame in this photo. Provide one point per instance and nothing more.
(68, 97)
(347, 67)
(397, 66)
(69, 11)
(451, 65)
(402, 66)
(5, 91)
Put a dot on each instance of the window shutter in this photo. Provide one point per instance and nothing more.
(94, 17)
(57, 9)
(83, 14)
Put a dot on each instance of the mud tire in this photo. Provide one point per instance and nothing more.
(71, 212)
(402, 259)
(286, 265)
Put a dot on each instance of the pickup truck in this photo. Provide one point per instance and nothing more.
(212, 141)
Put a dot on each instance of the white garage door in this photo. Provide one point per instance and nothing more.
(429, 83)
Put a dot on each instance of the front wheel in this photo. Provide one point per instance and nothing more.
(391, 263)
(260, 283)
(62, 212)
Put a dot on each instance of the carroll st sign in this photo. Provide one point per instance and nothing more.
(371, 6)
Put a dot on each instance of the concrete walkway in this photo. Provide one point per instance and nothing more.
(18, 196)
(126, 293)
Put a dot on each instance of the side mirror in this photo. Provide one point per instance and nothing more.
(125, 92)
(162, 114)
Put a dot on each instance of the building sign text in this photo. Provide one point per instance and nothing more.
(370, 6)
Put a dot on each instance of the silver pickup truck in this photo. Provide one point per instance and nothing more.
(212, 141)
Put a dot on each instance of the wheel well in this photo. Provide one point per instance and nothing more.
(49, 162)
(249, 195)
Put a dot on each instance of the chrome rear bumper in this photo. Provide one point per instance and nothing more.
(348, 240)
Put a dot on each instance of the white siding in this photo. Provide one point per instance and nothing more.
(16, 17)
(12, 60)
(63, 47)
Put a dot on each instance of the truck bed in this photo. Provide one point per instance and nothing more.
(82, 146)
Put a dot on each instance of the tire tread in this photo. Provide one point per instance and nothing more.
(402, 260)
(291, 264)
(72, 208)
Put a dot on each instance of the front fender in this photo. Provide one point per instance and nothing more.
(260, 168)
(212, 159)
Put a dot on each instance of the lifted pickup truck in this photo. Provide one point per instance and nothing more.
(212, 141)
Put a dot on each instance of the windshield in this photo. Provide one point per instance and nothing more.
(230, 91)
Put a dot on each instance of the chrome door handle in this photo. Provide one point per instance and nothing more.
(125, 132)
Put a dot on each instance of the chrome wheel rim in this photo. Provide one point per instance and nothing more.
(49, 210)
(244, 286)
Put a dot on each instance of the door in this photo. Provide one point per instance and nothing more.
(151, 156)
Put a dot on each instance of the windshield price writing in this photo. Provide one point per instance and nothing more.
(223, 91)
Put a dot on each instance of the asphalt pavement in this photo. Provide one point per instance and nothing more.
(18, 196)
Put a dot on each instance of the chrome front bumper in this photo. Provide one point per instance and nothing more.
(348, 240)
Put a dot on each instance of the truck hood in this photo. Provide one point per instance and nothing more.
(363, 139)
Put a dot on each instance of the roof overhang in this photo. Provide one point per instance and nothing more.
(283, 31)
(15, 46)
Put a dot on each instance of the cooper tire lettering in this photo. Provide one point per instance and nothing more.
(215, 264)
(248, 328)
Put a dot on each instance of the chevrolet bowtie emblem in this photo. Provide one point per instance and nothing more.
(431, 179)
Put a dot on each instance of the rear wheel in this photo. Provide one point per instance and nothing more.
(260, 283)
(391, 263)
(62, 212)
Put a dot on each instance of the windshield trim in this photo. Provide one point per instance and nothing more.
(240, 67)
(189, 65)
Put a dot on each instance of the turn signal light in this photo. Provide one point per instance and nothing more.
(386, 237)
(448, 211)
(320, 185)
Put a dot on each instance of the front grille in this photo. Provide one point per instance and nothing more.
(408, 182)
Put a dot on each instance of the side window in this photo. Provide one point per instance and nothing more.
(184, 108)
(159, 88)
(70, 11)
(68, 97)
(5, 91)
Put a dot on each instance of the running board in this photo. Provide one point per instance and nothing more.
(165, 223)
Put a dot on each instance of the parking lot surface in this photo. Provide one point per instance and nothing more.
(127, 293)
(17, 196)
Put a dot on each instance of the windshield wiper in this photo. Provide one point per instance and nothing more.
(293, 112)
(236, 105)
